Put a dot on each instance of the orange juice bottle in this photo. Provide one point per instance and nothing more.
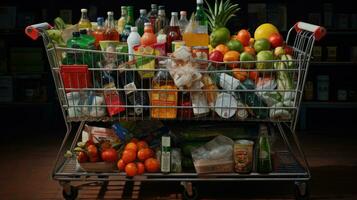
(148, 38)
(164, 94)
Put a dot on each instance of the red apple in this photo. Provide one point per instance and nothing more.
(216, 56)
(276, 40)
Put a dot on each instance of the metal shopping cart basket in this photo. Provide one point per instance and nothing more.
(91, 88)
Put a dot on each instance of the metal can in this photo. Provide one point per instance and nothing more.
(177, 44)
(243, 156)
(201, 53)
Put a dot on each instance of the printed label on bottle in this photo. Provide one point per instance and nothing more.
(129, 88)
(165, 161)
(263, 155)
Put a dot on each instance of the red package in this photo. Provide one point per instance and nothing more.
(75, 76)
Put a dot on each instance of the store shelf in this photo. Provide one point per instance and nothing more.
(286, 168)
(316, 104)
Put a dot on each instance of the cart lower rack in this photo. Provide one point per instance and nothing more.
(107, 86)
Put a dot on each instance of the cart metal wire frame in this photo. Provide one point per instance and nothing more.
(300, 37)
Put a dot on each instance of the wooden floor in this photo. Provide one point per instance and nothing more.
(27, 161)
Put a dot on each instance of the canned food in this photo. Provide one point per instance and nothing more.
(243, 156)
(177, 44)
(201, 53)
(226, 105)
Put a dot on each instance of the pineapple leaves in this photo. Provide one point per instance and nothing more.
(221, 13)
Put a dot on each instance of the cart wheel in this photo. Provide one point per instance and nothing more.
(194, 195)
(302, 191)
(72, 195)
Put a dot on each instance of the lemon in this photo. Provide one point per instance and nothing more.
(265, 31)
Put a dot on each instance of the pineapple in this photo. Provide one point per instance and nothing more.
(218, 16)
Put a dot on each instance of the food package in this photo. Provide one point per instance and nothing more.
(82, 104)
(216, 156)
(98, 134)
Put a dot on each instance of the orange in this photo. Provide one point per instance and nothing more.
(132, 146)
(231, 56)
(144, 154)
(142, 145)
(249, 50)
(243, 36)
(141, 167)
(131, 169)
(152, 165)
(121, 165)
(222, 48)
(128, 156)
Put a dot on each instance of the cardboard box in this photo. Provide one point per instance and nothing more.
(6, 89)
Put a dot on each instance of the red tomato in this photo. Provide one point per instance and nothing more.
(243, 36)
(141, 167)
(82, 157)
(121, 165)
(131, 169)
(128, 156)
(93, 153)
(110, 155)
(276, 40)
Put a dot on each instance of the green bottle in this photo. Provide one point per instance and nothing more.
(264, 157)
(130, 20)
(231, 84)
(201, 18)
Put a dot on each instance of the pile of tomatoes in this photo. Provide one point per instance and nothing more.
(138, 158)
(91, 152)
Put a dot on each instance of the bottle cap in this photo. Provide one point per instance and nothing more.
(174, 13)
(83, 10)
(110, 13)
(123, 7)
(131, 8)
(134, 29)
(76, 34)
(147, 24)
(83, 31)
(153, 6)
(161, 12)
(142, 11)
(161, 7)
(183, 12)
(199, 1)
(100, 20)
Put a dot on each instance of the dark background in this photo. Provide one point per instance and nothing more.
(34, 105)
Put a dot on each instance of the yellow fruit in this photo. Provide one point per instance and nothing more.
(265, 31)
(231, 56)
(222, 48)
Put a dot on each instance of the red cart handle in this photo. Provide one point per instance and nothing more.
(319, 31)
(33, 31)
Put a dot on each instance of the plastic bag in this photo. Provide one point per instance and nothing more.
(215, 156)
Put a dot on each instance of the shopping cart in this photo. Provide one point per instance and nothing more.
(81, 81)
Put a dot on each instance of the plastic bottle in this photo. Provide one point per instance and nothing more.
(140, 22)
(133, 40)
(84, 22)
(148, 38)
(111, 33)
(264, 163)
(174, 31)
(183, 22)
(99, 32)
(122, 19)
(161, 21)
(89, 39)
(152, 15)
